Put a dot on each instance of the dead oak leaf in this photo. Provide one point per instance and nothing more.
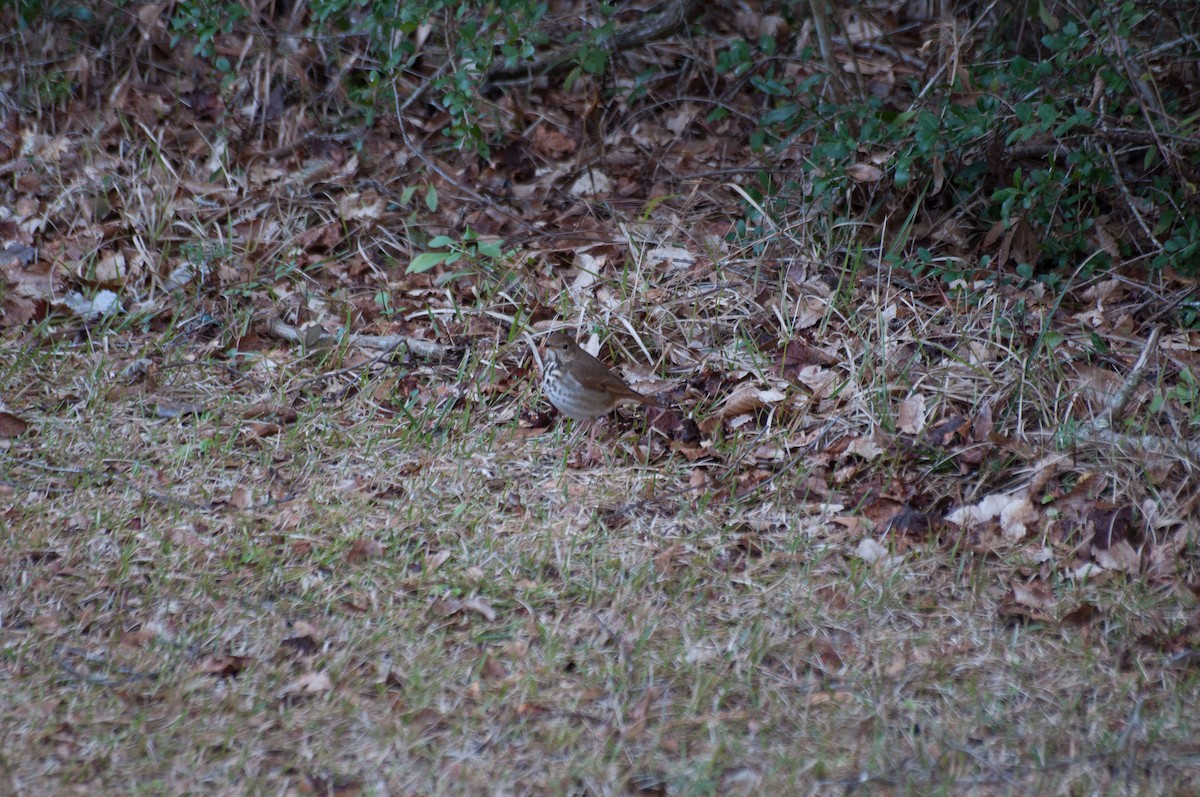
(865, 447)
(943, 432)
(1012, 612)
(870, 550)
(864, 173)
(224, 666)
(1014, 511)
(310, 683)
(480, 607)
(911, 416)
(821, 381)
(365, 549)
(747, 398)
(1035, 595)
(12, 425)
(1118, 556)
(553, 145)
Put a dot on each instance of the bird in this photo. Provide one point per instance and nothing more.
(580, 386)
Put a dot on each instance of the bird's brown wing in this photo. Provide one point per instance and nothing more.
(615, 387)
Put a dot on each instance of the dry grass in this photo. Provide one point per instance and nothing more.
(399, 592)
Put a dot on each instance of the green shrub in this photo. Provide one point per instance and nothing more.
(1048, 131)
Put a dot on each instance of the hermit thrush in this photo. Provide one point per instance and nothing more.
(579, 385)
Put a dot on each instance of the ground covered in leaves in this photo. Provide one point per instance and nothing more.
(283, 513)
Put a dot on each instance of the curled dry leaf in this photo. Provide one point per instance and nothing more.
(1035, 595)
(1118, 556)
(911, 417)
(700, 481)
(1014, 511)
(1098, 385)
(984, 424)
(445, 607)
(796, 356)
(147, 17)
(365, 549)
(432, 563)
(591, 183)
(553, 144)
(102, 304)
(864, 173)
(109, 269)
(748, 398)
(865, 447)
(588, 271)
(870, 551)
(241, 498)
(820, 381)
(310, 683)
(480, 607)
(671, 257)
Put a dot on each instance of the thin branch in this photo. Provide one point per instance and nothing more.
(650, 28)
(1116, 405)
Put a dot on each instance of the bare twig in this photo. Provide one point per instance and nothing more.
(1116, 405)
(96, 474)
(820, 12)
(429, 349)
(64, 654)
(1125, 192)
(653, 26)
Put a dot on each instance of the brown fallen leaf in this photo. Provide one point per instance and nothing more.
(1081, 615)
(241, 498)
(984, 424)
(864, 173)
(1011, 612)
(480, 607)
(941, 433)
(302, 644)
(1034, 594)
(224, 666)
(257, 431)
(365, 549)
(910, 419)
(749, 397)
(310, 683)
(1118, 556)
(12, 425)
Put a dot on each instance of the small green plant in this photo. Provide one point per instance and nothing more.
(1018, 138)
(201, 21)
(1186, 392)
(30, 11)
(477, 255)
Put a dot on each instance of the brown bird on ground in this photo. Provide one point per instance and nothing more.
(579, 385)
